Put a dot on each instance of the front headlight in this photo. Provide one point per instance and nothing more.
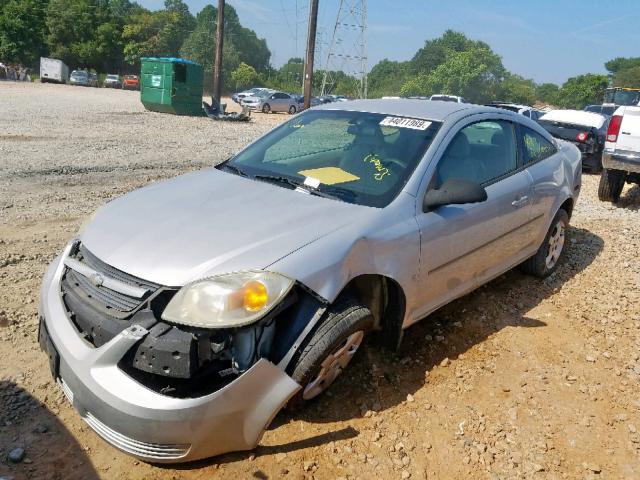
(230, 300)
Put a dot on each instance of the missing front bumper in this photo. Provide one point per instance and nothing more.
(147, 424)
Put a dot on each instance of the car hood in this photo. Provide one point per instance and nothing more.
(210, 222)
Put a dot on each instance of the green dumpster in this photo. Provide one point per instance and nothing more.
(171, 85)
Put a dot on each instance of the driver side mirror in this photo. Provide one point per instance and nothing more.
(454, 191)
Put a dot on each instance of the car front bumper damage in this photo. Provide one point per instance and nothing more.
(140, 421)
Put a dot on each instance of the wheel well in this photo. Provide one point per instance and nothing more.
(386, 300)
(567, 206)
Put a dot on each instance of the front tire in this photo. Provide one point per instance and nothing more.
(548, 256)
(266, 108)
(292, 110)
(611, 185)
(330, 349)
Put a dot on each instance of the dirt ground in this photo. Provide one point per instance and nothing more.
(520, 379)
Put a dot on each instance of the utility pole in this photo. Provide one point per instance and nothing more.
(311, 48)
(217, 70)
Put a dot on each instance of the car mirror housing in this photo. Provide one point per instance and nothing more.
(454, 191)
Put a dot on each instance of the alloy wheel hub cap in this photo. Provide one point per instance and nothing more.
(333, 365)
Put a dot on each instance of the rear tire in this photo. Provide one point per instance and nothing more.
(550, 253)
(329, 350)
(611, 185)
(266, 108)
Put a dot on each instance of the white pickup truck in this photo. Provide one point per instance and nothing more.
(621, 155)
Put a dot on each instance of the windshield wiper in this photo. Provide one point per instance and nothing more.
(233, 168)
(298, 185)
(279, 179)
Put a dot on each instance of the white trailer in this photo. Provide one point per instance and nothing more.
(52, 70)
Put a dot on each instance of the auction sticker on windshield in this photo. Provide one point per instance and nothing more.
(403, 122)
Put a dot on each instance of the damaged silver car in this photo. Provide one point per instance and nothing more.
(186, 314)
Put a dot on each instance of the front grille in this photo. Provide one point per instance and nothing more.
(152, 451)
(101, 296)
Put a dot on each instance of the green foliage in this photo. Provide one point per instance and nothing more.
(474, 74)
(518, 89)
(244, 76)
(629, 77)
(618, 64)
(240, 45)
(386, 77)
(577, 92)
(22, 30)
(548, 93)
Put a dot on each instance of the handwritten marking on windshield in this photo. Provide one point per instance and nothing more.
(381, 170)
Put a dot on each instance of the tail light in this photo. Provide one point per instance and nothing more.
(614, 128)
(582, 137)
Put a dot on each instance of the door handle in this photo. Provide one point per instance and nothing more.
(520, 202)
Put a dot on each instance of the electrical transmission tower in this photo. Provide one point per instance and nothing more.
(348, 51)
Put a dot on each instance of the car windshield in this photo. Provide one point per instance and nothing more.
(357, 157)
(79, 74)
(112, 77)
(622, 97)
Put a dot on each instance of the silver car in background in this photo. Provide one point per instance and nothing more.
(269, 101)
(186, 314)
(79, 77)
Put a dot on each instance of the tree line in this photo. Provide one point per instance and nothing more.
(110, 36)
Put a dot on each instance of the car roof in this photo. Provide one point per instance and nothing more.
(404, 107)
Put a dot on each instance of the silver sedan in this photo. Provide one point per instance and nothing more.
(267, 102)
(187, 313)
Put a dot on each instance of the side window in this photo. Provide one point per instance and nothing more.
(535, 146)
(480, 152)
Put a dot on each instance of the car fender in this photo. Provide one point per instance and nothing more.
(378, 247)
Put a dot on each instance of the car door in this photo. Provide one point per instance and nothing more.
(278, 102)
(544, 164)
(463, 246)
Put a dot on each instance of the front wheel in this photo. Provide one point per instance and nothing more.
(266, 108)
(292, 110)
(330, 349)
(548, 256)
(611, 185)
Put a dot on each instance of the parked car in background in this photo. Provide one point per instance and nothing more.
(112, 81)
(527, 111)
(93, 80)
(447, 98)
(603, 109)
(130, 82)
(179, 329)
(267, 102)
(586, 130)
(313, 101)
(79, 77)
(236, 97)
(53, 70)
(621, 157)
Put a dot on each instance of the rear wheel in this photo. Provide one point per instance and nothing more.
(611, 185)
(266, 108)
(330, 349)
(548, 256)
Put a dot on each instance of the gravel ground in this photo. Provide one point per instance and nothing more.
(520, 379)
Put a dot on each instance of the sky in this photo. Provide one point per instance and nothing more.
(546, 40)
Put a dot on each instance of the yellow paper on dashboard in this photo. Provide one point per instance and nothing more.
(330, 175)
